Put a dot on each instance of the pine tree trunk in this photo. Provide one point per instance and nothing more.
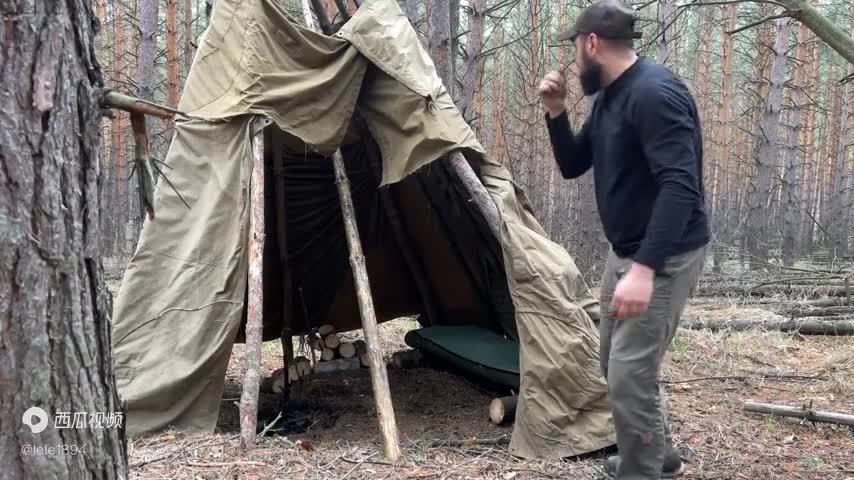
(172, 76)
(119, 125)
(498, 103)
(55, 309)
(793, 161)
(147, 52)
(725, 198)
(438, 40)
(473, 63)
(189, 51)
(665, 16)
(808, 142)
(767, 150)
(836, 220)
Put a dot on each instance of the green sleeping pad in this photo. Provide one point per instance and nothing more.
(475, 351)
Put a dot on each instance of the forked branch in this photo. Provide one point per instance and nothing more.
(145, 165)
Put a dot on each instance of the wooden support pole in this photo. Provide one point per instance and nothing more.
(255, 306)
(379, 376)
(799, 412)
(477, 191)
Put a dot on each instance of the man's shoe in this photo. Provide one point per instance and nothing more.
(672, 468)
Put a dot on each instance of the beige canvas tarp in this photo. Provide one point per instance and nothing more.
(181, 301)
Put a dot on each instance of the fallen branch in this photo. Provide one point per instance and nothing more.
(502, 440)
(224, 464)
(802, 412)
(802, 326)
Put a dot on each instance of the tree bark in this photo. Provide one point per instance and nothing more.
(147, 51)
(411, 7)
(473, 64)
(792, 161)
(439, 41)
(665, 17)
(189, 39)
(172, 76)
(55, 350)
(768, 147)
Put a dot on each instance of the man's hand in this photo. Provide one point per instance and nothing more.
(633, 292)
(553, 91)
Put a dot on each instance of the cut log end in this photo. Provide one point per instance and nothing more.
(325, 330)
(347, 350)
(332, 341)
(502, 410)
(327, 354)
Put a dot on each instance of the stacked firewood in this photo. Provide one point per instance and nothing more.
(329, 352)
(330, 347)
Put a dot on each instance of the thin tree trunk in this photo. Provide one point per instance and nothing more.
(454, 17)
(172, 76)
(473, 63)
(702, 84)
(55, 350)
(147, 51)
(723, 154)
(835, 220)
(808, 142)
(189, 51)
(498, 100)
(438, 40)
(768, 146)
(665, 16)
(119, 125)
(792, 165)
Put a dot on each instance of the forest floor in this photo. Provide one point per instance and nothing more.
(707, 375)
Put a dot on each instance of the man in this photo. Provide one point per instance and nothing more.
(643, 141)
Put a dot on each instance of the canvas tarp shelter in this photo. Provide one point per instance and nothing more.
(181, 304)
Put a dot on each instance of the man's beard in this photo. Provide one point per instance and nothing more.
(590, 77)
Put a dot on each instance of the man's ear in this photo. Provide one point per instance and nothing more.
(593, 43)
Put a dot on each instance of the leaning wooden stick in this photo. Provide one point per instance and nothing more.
(113, 99)
(254, 308)
(799, 412)
(379, 376)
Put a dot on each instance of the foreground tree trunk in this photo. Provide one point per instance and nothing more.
(54, 307)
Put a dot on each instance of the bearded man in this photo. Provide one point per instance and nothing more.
(643, 141)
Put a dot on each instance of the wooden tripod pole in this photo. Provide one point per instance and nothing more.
(254, 307)
(379, 376)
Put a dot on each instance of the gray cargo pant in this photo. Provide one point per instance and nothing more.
(631, 352)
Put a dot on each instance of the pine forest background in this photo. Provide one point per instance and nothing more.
(777, 113)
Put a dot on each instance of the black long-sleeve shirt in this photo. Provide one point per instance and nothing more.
(644, 142)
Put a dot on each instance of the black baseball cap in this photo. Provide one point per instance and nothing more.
(607, 19)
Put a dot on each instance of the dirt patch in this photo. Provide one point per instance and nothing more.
(707, 378)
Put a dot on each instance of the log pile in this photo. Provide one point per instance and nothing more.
(331, 347)
(810, 302)
(331, 353)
